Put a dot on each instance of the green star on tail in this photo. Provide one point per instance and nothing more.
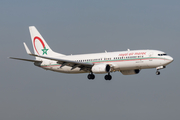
(45, 50)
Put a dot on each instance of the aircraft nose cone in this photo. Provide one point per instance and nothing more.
(171, 59)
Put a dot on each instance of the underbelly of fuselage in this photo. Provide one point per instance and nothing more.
(117, 66)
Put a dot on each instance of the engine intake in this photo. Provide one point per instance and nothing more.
(101, 68)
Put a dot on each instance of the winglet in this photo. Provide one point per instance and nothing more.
(27, 49)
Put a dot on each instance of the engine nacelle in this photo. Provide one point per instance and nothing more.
(101, 68)
(130, 72)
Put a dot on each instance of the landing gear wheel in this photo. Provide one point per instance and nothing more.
(107, 77)
(157, 72)
(91, 76)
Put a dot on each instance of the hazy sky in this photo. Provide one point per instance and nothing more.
(88, 26)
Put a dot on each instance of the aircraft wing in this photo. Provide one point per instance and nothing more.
(70, 63)
(29, 60)
(63, 62)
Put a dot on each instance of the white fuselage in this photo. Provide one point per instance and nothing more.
(120, 60)
(127, 62)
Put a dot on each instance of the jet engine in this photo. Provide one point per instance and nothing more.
(101, 68)
(130, 72)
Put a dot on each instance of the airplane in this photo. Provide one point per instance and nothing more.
(127, 62)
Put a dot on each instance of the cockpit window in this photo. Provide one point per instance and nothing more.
(162, 54)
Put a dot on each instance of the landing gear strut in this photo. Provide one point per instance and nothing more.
(108, 77)
(158, 68)
(91, 76)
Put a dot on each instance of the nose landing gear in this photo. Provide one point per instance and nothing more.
(157, 72)
(158, 68)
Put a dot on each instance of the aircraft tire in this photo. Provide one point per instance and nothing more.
(91, 76)
(157, 73)
(110, 77)
(107, 77)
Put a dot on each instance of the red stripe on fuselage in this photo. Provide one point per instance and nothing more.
(116, 61)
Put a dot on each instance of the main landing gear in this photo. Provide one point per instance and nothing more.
(91, 76)
(108, 77)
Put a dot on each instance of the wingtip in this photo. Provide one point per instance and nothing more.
(27, 49)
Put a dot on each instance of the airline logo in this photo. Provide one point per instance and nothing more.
(44, 49)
